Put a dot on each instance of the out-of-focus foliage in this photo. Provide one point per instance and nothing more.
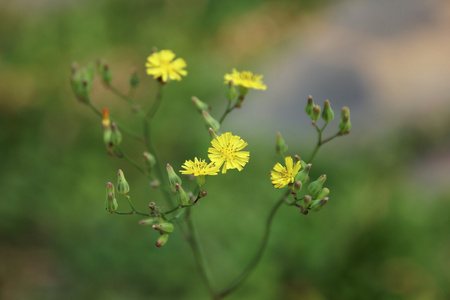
(383, 235)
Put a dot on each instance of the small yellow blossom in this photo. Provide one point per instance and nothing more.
(282, 176)
(162, 65)
(246, 79)
(199, 168)
(226, 151)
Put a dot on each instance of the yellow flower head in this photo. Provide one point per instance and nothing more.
(199, 168)
(282, 176)
(246, 79)
(226, 151)
(161, 65)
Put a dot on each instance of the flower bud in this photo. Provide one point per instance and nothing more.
(81, 83)
(116, 137)
(122, 185)
(324, 193)
(315, 113)
(164, 227)
(182, 197)
(305, 204)
(174, 179)
(315, 187)
(134, 79)
(302, 176)
(345, 124)
(106, 74)
(111, 202)
(106, 124)
(210, 121)
(327, 114)
(212, 133)
(162, 240)
(200, 105)
(149, 159)
(317, 205)
(281, 146)
(296, 187)
(309, 106)
(149, 221)
(231, 92)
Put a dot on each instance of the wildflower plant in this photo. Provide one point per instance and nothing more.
(226, 153)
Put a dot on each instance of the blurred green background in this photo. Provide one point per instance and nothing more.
(385, 233)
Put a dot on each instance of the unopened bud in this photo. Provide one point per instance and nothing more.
(106, 74)
(116, 137)
(149, 221)
(162, 240)
(174, 179)
(281, 146)
(210, 121)
(106, 124)
(111, 202)
(231, 92)
(154, 183)
(315, 187)
(212, 133)
(302, 176)
(134, 79)
(203, 194)
(309, 106)
(200, 105)
(317, 205)
(122, 185)
(345, 125)
(324, 193)
(182, 197)
(149, 159)
(296, 187)
(315, 113)
(165, 227)
(305, 204)
(327, 114)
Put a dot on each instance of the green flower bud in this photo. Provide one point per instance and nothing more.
(327, 114)
(134, 79)
(149, 221)
(165, 227)
(345, 124)
(106, 74)
(200, 105)
(149, 159)
(174, 179)
(315, 187)
(231, 92)
(107, 130)
(162, 240)
(182, 197)
(302, 176)
(309, 106)
(210, 121)
(281, 146)
(317, 205)
(81, 83)
(315, 113)
(122, 185)
(116, 137)
(212, 133)
(305, 204)
(324, 193)
(111, 202)
(296, 187)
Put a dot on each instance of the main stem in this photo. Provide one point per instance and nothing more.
(256, 259)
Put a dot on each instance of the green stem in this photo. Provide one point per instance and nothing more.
(227, 111)
(254, 262)
(199, 255)
(151, 148)
(133, 208)
(131, 161)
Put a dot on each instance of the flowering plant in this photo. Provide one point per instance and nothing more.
(225, 153)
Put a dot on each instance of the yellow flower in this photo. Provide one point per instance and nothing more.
(161, 65)
(282, 176)
(199, 168)
(226, 151)
(246, 79)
